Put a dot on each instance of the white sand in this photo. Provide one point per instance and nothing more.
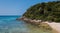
(55, 26)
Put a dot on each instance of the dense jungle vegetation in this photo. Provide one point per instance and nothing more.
(46, 11)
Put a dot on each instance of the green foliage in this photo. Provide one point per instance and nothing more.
(44, 11)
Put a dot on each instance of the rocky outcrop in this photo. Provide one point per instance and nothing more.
(27, 20)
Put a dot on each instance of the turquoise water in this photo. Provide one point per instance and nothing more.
(9, 24)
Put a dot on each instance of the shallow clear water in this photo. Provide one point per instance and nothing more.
(9, 24)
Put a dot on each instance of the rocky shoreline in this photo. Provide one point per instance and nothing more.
(37, 23)
(27, 20)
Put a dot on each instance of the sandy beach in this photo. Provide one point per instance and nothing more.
(55, 26)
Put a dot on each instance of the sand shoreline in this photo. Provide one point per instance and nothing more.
(53, 25)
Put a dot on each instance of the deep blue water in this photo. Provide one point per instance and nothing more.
(9, 24)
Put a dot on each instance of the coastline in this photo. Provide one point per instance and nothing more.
(55, 26)
(27, 20)
(38, 23)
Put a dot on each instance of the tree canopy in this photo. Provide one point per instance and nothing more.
(49, 11)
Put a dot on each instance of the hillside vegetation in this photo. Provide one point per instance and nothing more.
(49, 11)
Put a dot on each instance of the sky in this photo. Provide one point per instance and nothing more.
(17, 7)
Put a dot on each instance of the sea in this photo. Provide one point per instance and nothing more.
(9, 24)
